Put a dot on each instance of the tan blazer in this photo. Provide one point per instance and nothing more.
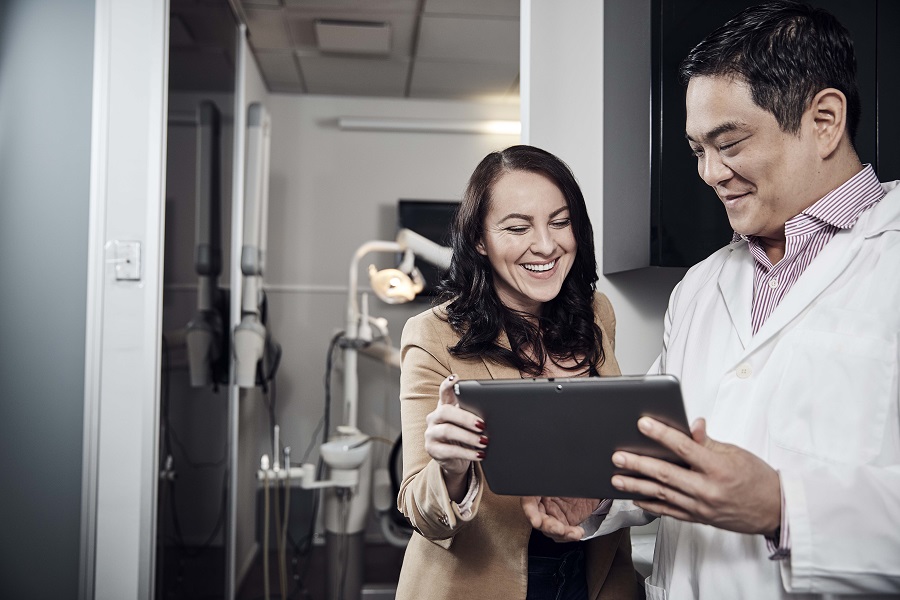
(483, 555)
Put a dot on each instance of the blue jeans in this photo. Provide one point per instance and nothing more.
(560, 578)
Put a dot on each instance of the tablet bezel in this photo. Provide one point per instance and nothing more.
(556, 437)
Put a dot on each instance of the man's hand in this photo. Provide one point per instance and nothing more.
(558, 518)
(726, 486)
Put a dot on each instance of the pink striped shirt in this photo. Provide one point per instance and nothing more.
(805, 236)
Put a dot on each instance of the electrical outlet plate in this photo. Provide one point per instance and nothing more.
(127, 258)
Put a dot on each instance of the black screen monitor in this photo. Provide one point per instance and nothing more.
(429, 218)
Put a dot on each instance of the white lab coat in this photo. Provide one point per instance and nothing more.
(815, 394)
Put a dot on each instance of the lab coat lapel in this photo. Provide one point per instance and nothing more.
(822, 271)
(736, 287)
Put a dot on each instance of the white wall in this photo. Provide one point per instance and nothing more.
(562, 111)
(331, 191)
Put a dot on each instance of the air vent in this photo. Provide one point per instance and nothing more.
(353, 37)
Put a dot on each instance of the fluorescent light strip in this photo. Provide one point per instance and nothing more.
(430, 125)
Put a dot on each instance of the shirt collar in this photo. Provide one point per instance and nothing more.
(841, 207)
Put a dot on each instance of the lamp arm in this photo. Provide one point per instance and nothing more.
(424, 248)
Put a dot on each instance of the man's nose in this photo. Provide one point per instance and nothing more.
(712, 170)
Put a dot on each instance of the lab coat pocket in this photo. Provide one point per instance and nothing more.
(653, 592)
(836, 389)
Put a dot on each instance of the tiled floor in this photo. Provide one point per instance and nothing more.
(192, 575)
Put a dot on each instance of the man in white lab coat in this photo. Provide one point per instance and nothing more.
(785, 341)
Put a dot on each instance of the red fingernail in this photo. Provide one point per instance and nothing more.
(480, 454)
(479, 425)
(483, 440)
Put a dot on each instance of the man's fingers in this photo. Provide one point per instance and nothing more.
(698, 432)
(661, 479)
(682, 445)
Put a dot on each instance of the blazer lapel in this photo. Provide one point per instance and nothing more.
(497, 370)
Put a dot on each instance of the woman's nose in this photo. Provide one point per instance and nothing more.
(543, 242)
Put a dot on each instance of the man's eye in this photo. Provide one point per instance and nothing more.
(697, 152)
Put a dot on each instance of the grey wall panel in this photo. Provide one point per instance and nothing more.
(45, 116)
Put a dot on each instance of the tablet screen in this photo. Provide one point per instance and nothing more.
(556, 437)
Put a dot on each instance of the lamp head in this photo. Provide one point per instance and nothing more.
(395, 286)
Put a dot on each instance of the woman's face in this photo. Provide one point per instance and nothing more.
(528, 240)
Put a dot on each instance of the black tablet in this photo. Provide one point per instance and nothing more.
(556, 437)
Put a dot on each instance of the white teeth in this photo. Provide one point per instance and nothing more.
(540, 268)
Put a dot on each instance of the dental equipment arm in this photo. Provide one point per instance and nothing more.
(250, 337)
(206, 330)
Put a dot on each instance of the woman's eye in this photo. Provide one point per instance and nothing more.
(517, 229)
(697, 152)
(561, 223)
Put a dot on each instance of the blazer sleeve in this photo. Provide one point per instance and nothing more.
(423, 497)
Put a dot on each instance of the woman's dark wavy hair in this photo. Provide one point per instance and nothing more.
(787, 52)
(566, 328)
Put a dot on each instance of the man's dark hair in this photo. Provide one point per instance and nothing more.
(566, 327)
(786, 52)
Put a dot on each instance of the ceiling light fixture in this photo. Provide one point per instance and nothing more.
(494, 126)
(353, 37)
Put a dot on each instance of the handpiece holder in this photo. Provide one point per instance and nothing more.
(344, 456)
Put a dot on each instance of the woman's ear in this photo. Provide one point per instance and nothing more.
(480, 247)
(829, 115)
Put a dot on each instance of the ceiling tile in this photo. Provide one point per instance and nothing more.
(361, 5)
(278, 67)
(268, 28)
(302, 26)
(438, 79)
(354, 76)
(488, 8)
(469, 39)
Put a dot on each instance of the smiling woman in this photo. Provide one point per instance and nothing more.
(519, 300)
(528, 240)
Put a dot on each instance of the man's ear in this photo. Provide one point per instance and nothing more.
(829, 115)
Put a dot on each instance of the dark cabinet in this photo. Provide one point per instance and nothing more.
(686, 219)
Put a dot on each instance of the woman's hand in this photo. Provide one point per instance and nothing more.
(453, 439)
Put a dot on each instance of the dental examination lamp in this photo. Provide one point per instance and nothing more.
(253, 344)
(205, 336)
(346, 510)
(348, 487)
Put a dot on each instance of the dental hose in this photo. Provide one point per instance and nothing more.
(266, 536)
(282, 559)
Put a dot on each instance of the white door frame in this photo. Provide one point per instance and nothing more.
(124, 317)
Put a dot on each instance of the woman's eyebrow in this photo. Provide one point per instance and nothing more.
(528, 218)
